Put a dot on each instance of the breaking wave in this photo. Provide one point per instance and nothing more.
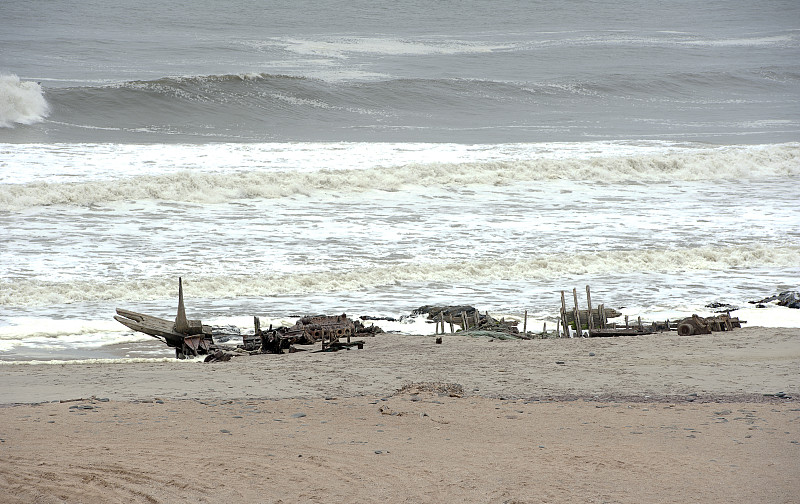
(21, 102)
(25, 292)
(729, 163)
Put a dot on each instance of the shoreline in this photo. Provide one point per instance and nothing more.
(745, 362)
(645, 419)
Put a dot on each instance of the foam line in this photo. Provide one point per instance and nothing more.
(740, 163)
(25, 292)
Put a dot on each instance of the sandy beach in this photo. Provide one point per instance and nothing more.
(661, 418)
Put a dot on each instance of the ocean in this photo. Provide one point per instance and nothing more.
(369, 157)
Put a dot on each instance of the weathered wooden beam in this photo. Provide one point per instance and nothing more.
(181, 322)
(525, 323)
(577, 312)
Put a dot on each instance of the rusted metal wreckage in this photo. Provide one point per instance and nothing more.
(589, 322)
(595, 322)
(193, 338)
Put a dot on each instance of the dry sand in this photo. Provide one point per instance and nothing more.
(644, 419)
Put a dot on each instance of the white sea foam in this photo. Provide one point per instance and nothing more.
(340, 47)
(21, 102)
(31, 293)
(479, 167)
(55, 329)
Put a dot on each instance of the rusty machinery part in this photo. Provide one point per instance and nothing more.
(693, 325)
(322, 327)
(331, 332)
(685, 329)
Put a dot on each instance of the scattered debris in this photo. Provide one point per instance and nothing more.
(309, 330)
(721, 307)
(596, 324)
(470, 320)
(192, 337)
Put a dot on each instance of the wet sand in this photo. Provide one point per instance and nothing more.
(712, 418)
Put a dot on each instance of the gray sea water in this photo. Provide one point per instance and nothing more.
(367, 156)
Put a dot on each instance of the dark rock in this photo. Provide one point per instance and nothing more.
(450, 312)
(218, 356)
(370, 317)
(789, 299)
(298, 415)
(721, 307)
(223, 334)
(767, 300)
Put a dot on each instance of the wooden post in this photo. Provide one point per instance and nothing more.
(477, 319)
(464, 320)
(641, 328)
(544, 330)
(451, 325)
(564, 316)
(181, 323)
(590, 321)
(577, 312)
(601, 312)
(525, 324)
(626, 321)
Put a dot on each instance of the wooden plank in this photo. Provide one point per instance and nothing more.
(577, 312)
(525, 323)
(181, 323)
(148, 324)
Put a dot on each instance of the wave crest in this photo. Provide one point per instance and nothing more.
(21, 102)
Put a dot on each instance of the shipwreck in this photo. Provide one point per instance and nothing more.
(193, 338)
